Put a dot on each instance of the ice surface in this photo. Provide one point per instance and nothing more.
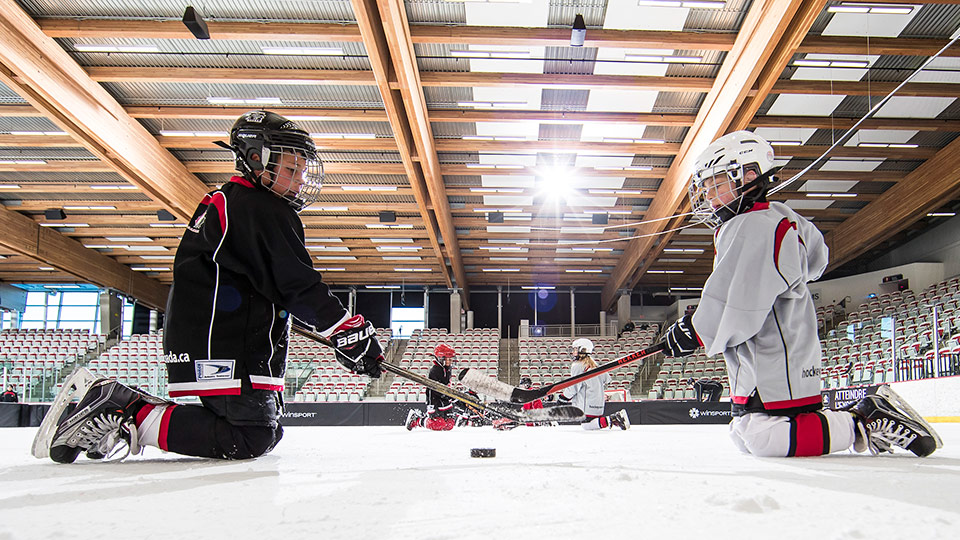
(355, 483)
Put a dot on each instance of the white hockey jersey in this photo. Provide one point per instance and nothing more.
(587, 395)
(756, 308)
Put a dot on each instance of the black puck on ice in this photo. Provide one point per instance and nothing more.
(483, 452)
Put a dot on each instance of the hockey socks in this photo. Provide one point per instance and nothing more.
(153, 423)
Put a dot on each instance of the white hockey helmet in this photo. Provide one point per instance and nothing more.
(582, 346)
(722, 168)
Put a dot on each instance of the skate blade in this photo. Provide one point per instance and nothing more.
(73, 388)
(887, 392)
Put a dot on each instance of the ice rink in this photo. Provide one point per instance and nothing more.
(558, 483)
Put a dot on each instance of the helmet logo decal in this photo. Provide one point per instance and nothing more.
(255, 116)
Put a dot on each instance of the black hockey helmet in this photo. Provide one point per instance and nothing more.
(259, 141)
(525, 382)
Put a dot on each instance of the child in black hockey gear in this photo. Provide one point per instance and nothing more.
(589, 394)
(756, 309)
(241, 273)
(440, 416)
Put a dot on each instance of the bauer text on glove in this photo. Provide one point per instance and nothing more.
(357, 348)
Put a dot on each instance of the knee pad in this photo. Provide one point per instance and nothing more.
(251, 441)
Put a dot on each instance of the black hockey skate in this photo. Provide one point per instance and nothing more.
(102, 425)
(620, 419)
(889, 421)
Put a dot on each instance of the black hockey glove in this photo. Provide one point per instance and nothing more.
(681, 339)
(357, 348)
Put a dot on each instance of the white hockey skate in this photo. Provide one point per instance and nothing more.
(620, 419)
(73, 389)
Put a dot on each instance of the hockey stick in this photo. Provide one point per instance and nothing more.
(560, 414)
(502, 391)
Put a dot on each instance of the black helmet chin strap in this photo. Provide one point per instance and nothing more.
(750, 194)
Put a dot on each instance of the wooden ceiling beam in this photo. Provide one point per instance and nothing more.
(923, 190)
(396, 29)
(765, 23)
(863, 88)
(473, 35)
(437, 79)
(919, 124)
(378, 50)
(22, 235)
(37, 68)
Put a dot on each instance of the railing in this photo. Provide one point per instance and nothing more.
(578, 330)
(922, 342)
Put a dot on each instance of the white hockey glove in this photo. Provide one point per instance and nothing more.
(357, 348)
(681, 339)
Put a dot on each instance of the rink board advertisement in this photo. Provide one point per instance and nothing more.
(394, 413)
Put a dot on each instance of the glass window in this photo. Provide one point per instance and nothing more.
(33, 313)
(403, 321)
(77, 313)
(80, 298)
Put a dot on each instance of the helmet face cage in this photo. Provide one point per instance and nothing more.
(293, 173)
(276, 154)
(712, 183)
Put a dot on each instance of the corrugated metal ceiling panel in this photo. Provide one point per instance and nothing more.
(570, 60)
(435, 12)
(554, 99)
(218, 54)
(27, 123)
(562, 12)
(727, 19)
(934, 21)
(357, 97)
(245, 10)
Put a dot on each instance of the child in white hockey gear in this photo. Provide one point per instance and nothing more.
(589, 394)
(756, 309)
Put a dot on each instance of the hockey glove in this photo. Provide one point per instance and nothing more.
(357, 348)
(681, 339)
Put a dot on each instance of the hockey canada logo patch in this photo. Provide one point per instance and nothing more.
(214, 369)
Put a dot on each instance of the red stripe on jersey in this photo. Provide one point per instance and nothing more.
(220, 203)
(759, 206)
(216, 392)
(143, 412)
(241, 180)
(782, 228)
(740, 400)
(809, 435)
(792, 402)
(165, 427)
(277, 387)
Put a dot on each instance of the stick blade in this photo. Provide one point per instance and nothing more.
(488, 386)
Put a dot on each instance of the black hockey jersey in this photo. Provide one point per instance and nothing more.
(240, 271)
(436, 400)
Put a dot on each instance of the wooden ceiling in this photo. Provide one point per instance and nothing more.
(114, 137)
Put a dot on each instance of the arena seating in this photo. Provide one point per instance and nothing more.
(135, 361)
(476, 348)
(34, 355)
(326, 380)
(547, 360)
(677, 375)
(856, 352)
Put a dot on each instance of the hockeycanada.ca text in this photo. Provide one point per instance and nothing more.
(174, 358)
